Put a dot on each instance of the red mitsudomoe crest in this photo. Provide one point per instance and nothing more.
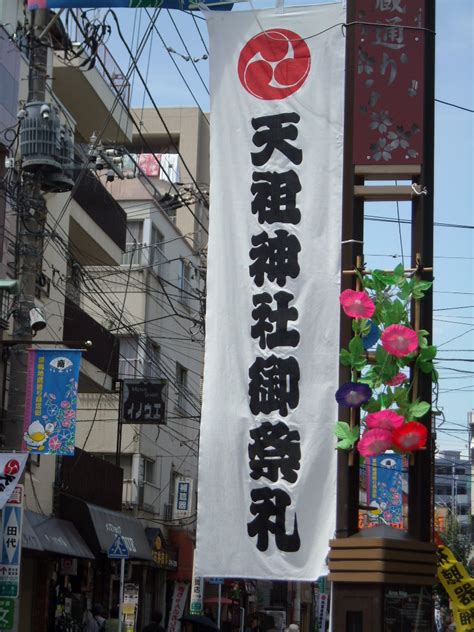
(274, 64)
(12, 467)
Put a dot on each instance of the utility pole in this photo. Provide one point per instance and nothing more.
(31, 210)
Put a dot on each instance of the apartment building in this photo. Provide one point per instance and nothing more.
(122, 269)
(453, 489)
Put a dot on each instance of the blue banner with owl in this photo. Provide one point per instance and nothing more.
(385, 489)
(51, 401)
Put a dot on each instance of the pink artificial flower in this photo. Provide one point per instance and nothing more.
(411, 436)
(399, 340)
(384, 419)
(54, 443)
(356, 304)
(374, 442)
(397, 380)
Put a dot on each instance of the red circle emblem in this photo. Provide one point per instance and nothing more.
(274, 64)
(12, 467)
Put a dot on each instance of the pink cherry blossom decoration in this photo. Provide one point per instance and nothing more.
(397, 380)
(374, 442)
(384, 419)
(399, 340)
(356, 304)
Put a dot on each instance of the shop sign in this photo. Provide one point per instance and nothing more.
(183, 494)
(144, 401)
(10, 557)
(11, 468)
(68, 566)
(180, 594)
(195, 606)
(7, 613)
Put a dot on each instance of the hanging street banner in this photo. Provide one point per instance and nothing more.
(385, 490)
(267, 475)
(51, 401)
(460, 588)
(10, 553)
(11, 468)
(144, 401)
(184, 5)
(180, 594)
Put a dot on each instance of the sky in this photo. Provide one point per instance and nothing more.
(453, 329)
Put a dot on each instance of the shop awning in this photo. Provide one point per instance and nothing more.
(29, 539)
(108, 524)
(57, 536)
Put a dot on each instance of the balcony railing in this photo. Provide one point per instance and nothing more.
(97, 202)
(104, 353)
(144, 255)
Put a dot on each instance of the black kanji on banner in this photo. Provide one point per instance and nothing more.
(274, 451)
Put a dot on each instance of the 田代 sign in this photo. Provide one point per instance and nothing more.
(10, 557)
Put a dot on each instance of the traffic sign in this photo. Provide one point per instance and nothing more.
(7, 613)
(216, 580)
(118, 550)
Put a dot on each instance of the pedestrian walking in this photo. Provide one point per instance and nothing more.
(94, 619)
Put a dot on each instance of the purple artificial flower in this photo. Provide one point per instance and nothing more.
(353, 394)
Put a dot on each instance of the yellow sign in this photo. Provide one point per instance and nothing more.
(460, 587)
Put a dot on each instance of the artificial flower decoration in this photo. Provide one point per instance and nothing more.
(409, 437)
(380, 360)
(385, 419)
(399, 340)
(371, 338)
(356, 304)
(397, 380)
(374, 442)
(353, 394)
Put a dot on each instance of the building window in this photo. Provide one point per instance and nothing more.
(157, 257)
(133, 254)
(149, 471)
(130, 365)
(185, 287)
(181, 387)
(152, 366)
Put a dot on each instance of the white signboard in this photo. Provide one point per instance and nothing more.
(267, 478)
(11, 468)
(183, 497)
(180, 594)
(10, 555)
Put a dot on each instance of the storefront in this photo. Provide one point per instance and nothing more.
(55, 567)
(99, 527)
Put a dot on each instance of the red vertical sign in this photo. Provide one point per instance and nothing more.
(389, 77)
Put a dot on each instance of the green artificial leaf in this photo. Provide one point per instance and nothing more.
(356, 346)
(428, 353)
(394, 313)
(345, 357)
(400, 396)
(347, 436)
(418, 409)
(380, 354)
(405, 290)
(372, 406)
(425, 366)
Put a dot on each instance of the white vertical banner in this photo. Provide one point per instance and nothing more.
(267, 466)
